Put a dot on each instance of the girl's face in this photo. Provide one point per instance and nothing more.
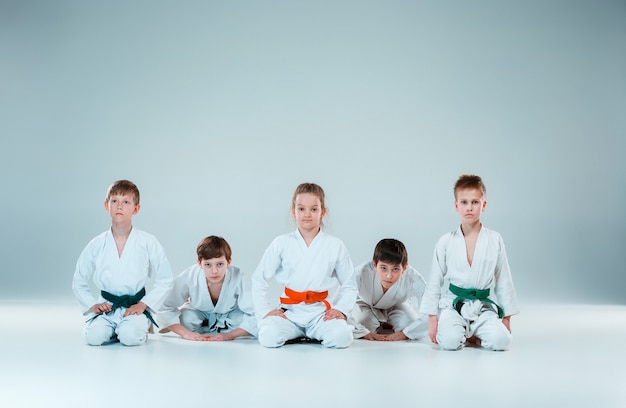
(308, 212)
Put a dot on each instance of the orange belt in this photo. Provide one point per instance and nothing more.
(309, 296)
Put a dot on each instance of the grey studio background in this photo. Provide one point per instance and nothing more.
(217, 110)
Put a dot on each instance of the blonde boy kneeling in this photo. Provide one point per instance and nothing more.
(470, 294)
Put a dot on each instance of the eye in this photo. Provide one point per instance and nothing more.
(475, 202)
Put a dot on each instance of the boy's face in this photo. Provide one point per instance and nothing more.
(214, 269)
(121, 207)
(470, 203)
(388, 273)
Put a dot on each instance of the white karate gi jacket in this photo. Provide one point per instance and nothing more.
(407, 291)
(317, 268)
(191, 286)
(489, 270)
(142, 264)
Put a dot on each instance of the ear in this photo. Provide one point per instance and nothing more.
(106, 205)
(136, 209)
(200, 263)
(484, 204)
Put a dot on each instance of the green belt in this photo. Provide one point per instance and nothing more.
(127, 301)
(472, 294)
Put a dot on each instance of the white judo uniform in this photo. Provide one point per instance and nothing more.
(489, 270)
(143, 263)
(189, 303)
(317, 268)
(399, 306)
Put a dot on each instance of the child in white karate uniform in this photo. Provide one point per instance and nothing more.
(390, 292)
(119, 263)
(209, 301)
(470, 293)
(308, 262)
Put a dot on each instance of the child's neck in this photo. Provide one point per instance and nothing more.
(214, 290)
(121, 230)
(309, 235)
(471, 229)
(470, 234)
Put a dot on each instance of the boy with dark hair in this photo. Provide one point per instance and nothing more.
(390, 291)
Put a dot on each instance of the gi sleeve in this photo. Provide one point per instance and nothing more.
(161, 272)
(263, 274)
(244, 303)
(432, 294)
(504, 289)
(169, 313)
(419, 327)
(85, 267)
(348, 291)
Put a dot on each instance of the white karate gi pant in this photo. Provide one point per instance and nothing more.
(274, 331)
(130, 330)
(453, 330)
(192, 319)
(400, 317)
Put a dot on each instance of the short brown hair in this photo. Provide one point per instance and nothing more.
(391, 251)
(123, 187)
(309, 188)
(213, 247)
(470, 181)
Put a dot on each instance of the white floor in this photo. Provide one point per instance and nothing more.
(562, 356)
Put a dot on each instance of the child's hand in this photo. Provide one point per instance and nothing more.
(373, 337)
(194, 336)
(433, 322)
(394, 337)
(220, 337)
(276, 312)
(334, 314)
(506, 321)
(136, 309)
(100, 308)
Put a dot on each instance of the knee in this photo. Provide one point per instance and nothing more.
(190, 320)
(97, 335)
(335, 334)
(341, 339)
(499, 340)
(450, 339)
(131, 335)
(269, 337)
